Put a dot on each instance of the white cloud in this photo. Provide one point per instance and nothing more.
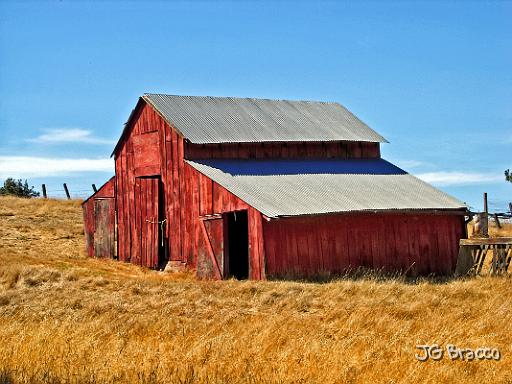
(69, 135)
(459, 178)
(411, 163)
(26, 166)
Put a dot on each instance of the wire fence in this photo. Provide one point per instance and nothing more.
(61, 193)
(79, 192)
(495, 206)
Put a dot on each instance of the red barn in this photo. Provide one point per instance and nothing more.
(255, 188)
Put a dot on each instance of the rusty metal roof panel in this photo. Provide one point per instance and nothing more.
(307, 187)
(205, 119)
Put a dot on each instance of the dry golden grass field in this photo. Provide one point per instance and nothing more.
(65, 318)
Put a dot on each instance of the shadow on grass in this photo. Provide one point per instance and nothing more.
(377, 275)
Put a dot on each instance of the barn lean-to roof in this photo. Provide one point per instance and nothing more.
(208, 120)
(282, 187)
(100, 189)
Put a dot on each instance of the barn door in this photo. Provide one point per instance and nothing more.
(104, 217)
(148, 222)
(211, 264)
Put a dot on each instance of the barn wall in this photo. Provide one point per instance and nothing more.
(89, 225)
(140, 154)
(153, 148)
(107, 190)
(291, 150)
(418, 244)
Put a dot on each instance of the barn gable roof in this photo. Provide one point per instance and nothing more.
(205, 119)
(306, 187)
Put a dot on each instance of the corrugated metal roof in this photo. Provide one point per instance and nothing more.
(205, 119)
(305, 187)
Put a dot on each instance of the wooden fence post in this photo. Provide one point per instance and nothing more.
(486, 217)
(497, 220)
(94, 188)
(67, 191)
(43, 187)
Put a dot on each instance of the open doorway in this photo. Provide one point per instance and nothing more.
(237, 261)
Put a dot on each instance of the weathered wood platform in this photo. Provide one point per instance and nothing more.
(473, 252)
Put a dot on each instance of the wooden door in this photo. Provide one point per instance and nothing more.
(148, 221)
(104, 223)
(211, 263)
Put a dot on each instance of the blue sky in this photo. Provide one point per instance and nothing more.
(433, 78)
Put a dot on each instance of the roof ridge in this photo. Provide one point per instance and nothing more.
(243, 98)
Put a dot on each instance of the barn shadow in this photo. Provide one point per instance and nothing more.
(272, 167)
(368, 274)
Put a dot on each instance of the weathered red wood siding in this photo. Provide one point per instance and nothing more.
(153, 148)
(417, 243)
(283, 150)
(104, 231)
(147, 224)
(142, 153)
(107, 190)
(89, 224)
(212, 201)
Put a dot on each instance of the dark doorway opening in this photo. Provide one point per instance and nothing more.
(163, 241)
(237, 245)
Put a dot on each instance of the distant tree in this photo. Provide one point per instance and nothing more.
(508, 175)
(17, 188)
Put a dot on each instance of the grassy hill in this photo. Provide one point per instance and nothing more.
(65, 318)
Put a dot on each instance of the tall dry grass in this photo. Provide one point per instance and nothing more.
(504, 230)
(65, 318)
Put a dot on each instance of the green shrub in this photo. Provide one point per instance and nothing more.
(17, 188)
